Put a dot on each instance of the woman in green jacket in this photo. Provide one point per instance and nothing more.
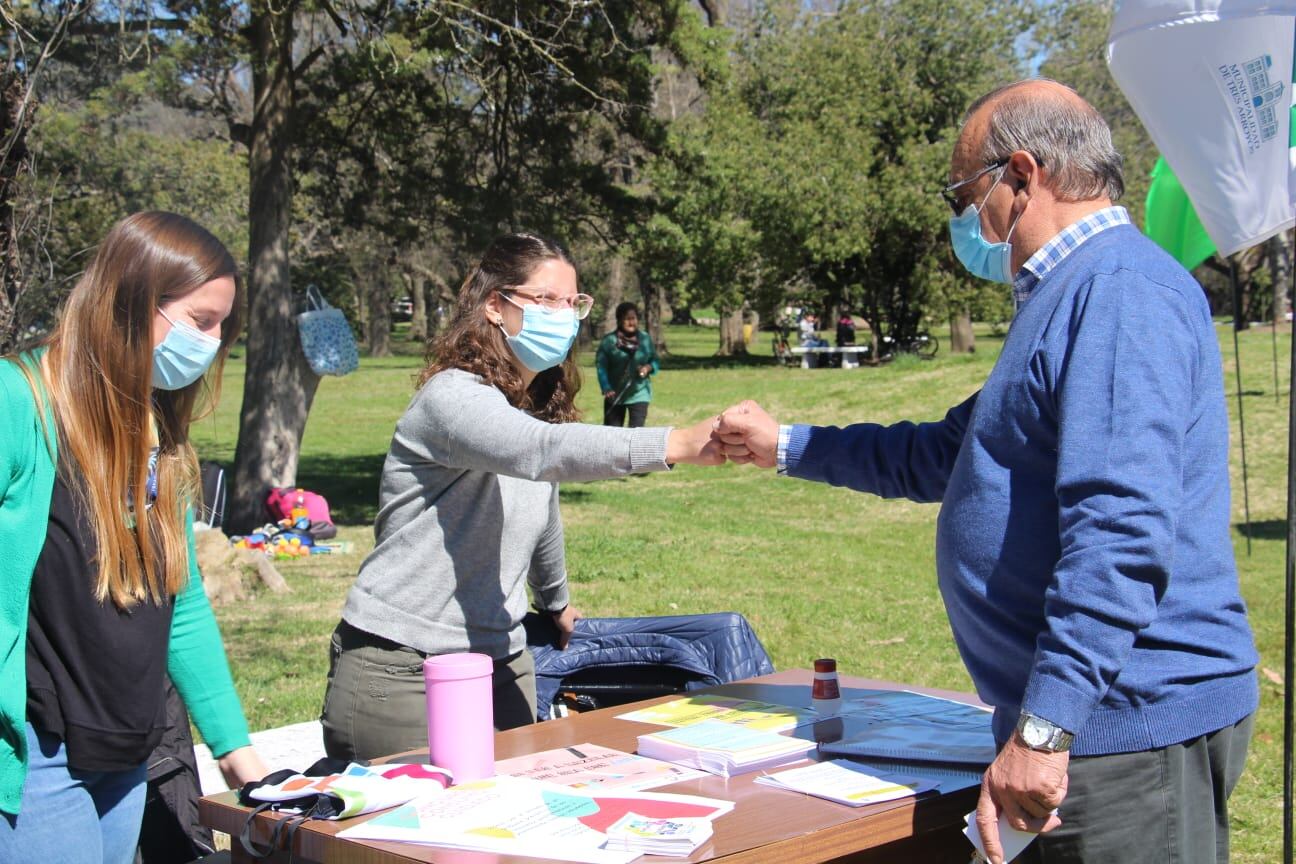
(100, 597)
(626, 361)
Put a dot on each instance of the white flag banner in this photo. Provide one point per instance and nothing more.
(1212, 82)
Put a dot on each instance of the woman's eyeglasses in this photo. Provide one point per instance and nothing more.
(581, 304)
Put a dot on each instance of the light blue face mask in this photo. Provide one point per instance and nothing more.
(983, 259)
(182, 356)
(545, 337)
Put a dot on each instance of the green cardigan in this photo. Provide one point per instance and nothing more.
(614, 368)
(196, 657)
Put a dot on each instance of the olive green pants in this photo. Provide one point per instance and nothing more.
(376, 704)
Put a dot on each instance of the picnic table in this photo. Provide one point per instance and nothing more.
(850, 355)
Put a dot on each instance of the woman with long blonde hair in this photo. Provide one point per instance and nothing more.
(468, 516)
(100, 597)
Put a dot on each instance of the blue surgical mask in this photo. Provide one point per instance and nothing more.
(182, 356)
(983, 259)
(545, 337)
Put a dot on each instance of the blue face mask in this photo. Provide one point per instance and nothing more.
(182, 356)
(983, 259)
(545, 337)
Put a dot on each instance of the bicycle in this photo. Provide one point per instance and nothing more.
(782, 349)
(922, 345)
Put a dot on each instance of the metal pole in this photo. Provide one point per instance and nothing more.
(1281, 272)
(1289, 661)
(1274, 330)
(1237, 363)
(1289, 613)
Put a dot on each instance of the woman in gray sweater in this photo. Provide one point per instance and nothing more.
(468, 508)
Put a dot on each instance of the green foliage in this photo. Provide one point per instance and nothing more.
(1073, 36)
(114, 153)
(476, 120)
(813, 169)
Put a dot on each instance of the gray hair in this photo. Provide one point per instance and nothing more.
(1065, 135)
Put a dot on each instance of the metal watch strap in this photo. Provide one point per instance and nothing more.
(1059, 740)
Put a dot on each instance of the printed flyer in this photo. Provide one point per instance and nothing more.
(765, 716)
(519, 816)
(592, 766)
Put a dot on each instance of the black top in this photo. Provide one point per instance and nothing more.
(95, 674)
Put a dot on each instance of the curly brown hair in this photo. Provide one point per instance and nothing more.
(471, 343)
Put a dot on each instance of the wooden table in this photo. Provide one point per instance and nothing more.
(768, 826)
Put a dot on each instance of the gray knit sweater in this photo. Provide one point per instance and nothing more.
(468, 516)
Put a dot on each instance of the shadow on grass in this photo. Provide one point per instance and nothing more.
(350, 483)
(737, 361)
(1267, 529)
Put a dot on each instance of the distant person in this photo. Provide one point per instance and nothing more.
(626, 361)
(468, 516)
(808, 331)
(1083, 545)
(101, 596)
(845, 330)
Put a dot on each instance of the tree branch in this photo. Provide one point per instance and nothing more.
(19, 117)
(309, 59)
(137, 25)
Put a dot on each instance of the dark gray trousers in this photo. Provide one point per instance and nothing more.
(615, 415)
(1167, 806)
(376, 703)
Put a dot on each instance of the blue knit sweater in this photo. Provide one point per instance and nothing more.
(1082, 547)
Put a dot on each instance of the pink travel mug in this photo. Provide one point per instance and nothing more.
(461, 715)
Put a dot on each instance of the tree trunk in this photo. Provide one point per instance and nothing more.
(731, 341)
(361, 294)
(615, 294)
(379, 324)
(14, 123)
(871, 318)
(443, 298)
(1280, 264)
(279, 384)
(962, 340)
(418, 295)
(658, 312)
(717, 12)
(664, 314)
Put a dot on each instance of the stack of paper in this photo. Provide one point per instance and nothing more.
(847, 783)
(742, 712)
(519, 816)
(647, 836)
(723, 748)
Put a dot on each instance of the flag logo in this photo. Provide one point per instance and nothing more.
(1255, 99)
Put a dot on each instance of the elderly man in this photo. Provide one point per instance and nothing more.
(1083, 548)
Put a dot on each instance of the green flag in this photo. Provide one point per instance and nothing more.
(1171, 221)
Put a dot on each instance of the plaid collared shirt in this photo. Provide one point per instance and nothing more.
(784, 435)
(1067, 241)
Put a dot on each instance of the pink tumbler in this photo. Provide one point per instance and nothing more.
(461, 715)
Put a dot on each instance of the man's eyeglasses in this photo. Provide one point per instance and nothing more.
(953, 200)
(581, 304)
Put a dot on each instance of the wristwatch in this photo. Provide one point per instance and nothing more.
(1040, 734)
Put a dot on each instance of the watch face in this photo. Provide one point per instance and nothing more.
(1034, 732)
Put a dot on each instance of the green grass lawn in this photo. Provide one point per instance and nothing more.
(818, 571)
